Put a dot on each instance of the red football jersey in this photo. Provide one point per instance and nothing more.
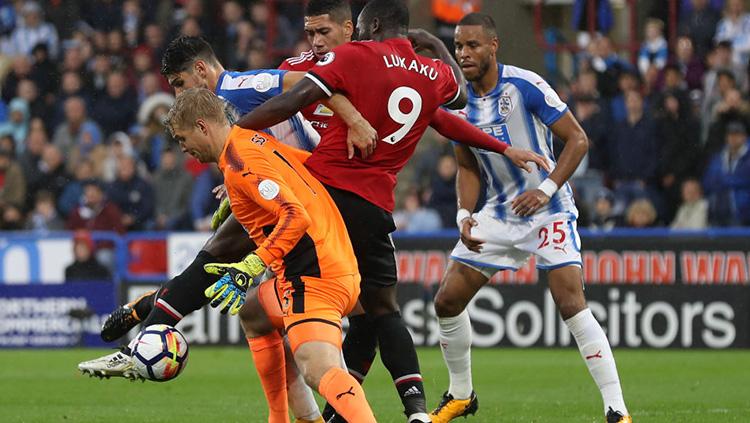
(397, 91)
(317, 114)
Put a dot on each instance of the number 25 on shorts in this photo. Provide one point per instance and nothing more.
(556, 237)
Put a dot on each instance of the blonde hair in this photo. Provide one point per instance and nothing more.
(641, 208)
(194, 104)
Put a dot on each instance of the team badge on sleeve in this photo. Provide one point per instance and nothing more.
(268, 189)
(327, 59)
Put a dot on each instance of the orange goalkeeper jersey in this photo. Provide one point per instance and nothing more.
(285, 210)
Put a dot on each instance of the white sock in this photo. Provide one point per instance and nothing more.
(596, 353)
(455, 343)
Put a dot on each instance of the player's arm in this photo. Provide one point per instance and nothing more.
(284, 106)
(423, 40)
(454, 128)
(576, 142)
(468, 184)
(265, 187)
(361, 134)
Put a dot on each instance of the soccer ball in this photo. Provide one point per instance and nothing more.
(160, 352)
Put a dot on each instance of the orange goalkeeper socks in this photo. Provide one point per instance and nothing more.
(345, 394)
(268, 355)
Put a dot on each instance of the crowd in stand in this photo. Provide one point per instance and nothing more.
(82, 147)
(81, 144)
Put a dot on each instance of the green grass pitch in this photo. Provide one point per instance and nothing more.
(514, 385)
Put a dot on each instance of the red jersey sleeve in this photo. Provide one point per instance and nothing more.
(447, 83)
(331, 72)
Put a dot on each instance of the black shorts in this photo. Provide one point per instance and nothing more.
(369, 229)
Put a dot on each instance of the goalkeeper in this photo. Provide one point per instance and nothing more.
(300, 236)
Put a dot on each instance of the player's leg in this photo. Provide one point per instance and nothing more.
(183, 294)
(301, 399)
(369, 228)
(567, 290)
(557, 246)
(459, 285)
(313, 324)
(266, 345)
(358, 349)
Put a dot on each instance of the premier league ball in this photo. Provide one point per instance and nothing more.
(160, 352)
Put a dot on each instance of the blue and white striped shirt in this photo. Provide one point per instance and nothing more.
(518, 111)
(248, 90)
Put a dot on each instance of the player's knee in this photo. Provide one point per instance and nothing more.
(253, 322)
(445, 306)
(379, 301)
(571, 306)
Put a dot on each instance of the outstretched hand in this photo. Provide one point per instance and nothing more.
(521, 158)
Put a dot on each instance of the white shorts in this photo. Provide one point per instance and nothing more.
(552, 239)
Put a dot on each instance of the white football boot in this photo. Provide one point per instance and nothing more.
(118, 364)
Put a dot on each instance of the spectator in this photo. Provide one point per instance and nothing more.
(120, 145)
(588, 177)
(131, 21)
(735, 28)
(720, 60)
(95, 212)
(700, 25)
(627, 81)
(608, 66)
(71, 86)
(152, 131)
(132, 195)
(173, 187)
(233, 17)
(286, 35)
(115, 111)
(12, 182)
(85, 266)
(202, 200)
(44, 72)
(693, 212)
(44, 218)
(680, 148)
(78, 133)
(73, 191)
(732, 108)
(20, 70)
(415, 218)
(34, 31)
(654, 50)
(641, 214)
(38, 107)
(102, 15)
(727, 180)
(52, 175)
(30, 159)
(17, 124)
(447, 13)
(443, 190)
(634, 151)
(690, 64)
(604, 217)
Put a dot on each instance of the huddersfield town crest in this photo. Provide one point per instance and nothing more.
(504, 105)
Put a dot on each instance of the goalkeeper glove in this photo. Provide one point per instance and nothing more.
(221, 214)
(228, 293)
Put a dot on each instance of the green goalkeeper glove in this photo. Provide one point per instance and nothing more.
(221, 214)
(228, 293)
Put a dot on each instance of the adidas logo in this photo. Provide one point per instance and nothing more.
(412, 391)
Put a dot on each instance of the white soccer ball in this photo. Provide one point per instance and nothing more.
(160, 352)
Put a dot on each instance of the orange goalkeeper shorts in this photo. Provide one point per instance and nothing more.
(309, 308)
